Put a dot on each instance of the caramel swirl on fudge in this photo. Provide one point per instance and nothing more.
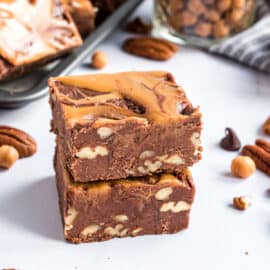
(156, 92)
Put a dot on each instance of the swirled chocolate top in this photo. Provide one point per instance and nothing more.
(145, 96)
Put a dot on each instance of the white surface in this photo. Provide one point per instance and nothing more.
(31, 234)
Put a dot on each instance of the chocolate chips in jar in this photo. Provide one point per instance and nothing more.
(204, 19)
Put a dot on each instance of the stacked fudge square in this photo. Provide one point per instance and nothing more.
(124, 143)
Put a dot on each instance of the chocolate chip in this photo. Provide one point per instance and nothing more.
(230, 142)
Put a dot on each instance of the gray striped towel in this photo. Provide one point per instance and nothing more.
(251, 47)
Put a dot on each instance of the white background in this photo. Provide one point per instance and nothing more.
(229, 94)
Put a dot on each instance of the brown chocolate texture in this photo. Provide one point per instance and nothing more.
(131, 124)
(103, 210)
(83, 14)
(46, 32)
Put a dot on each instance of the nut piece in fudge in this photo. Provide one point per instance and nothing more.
(99, 211)
(33, 33)
(123, 125)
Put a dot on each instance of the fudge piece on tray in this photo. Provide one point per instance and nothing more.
(83, 14)
(130, 124)
(103, 210)
(33, 33)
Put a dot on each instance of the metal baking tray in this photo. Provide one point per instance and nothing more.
(16, 93)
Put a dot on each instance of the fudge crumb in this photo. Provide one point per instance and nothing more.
(242, 203)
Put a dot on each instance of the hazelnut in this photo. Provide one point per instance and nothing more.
(242, 203)
(203, 29)
(99, 60)
(235, 15)
(187, 18)
(212, 15)
(243, 167)
(8, 156)
(221, 29)
(239, 3)
(224, 5)
(196, 7)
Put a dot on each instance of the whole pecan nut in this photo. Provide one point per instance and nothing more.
(24, 143)
(260, 153)
(153, 48)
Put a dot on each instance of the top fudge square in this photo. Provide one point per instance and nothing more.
(129, 124)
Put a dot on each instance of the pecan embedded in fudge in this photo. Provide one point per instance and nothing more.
(33, 32)
(120, 125)
(103, 210)
(83, 14)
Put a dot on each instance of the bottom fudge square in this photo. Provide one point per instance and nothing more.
(99, 211)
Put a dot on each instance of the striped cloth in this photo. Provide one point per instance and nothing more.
(251, 47)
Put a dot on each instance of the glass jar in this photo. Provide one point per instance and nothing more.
(202, 22)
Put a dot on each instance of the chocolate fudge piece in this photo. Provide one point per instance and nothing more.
(130, 124)
(83, 14)
(100, 211)
(33, 33)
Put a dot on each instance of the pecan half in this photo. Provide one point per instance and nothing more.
(263, 144)
(153, 48)
(260, 153)
(24, 143)
(266, 126)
